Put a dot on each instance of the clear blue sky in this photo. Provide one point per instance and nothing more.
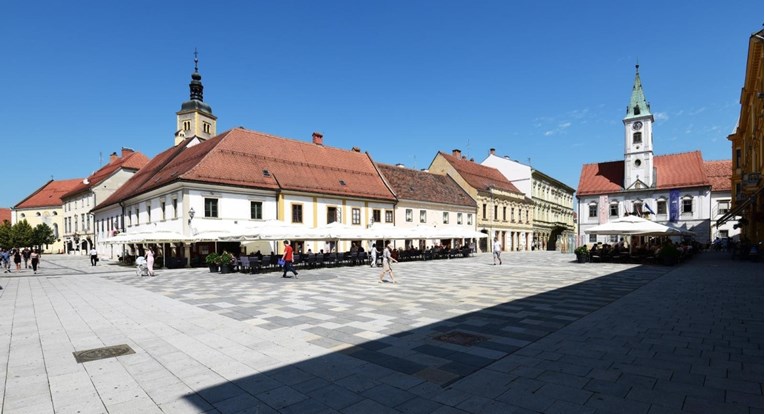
(542, 80)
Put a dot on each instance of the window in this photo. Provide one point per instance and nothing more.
(512, 214)
(186, 125)
(130, 217)
(612, 238)
(148, 212)
(446, 217)
(484, 211)
(423, 216)
(593, 238)
(661, 206)
(211, 207)
(331, 214)
(637, 138)
(409, 215)
(687, 205)
(527, 216)
(504, 213)
(738, 157)
(297, 213)
(175, 208)
(388, 216)
(723, 206)
(496, 208)
(376, 216)
(723, 234)
(356, 216)
(459, 218)
(206, 127)
(613, 209)
(162, 207)
(470, 219)
(256, 210)
(593, 207)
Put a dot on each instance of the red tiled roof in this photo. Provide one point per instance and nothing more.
(129, 161)
(672, 171)
(416, 185)
(5, 215)
(480, 176)
(719, 174)
(244, 158)
(49, 195)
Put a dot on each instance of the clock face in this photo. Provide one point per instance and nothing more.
(637, 125)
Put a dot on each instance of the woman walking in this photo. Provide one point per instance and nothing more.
(386, 261)
(35, 257)
(17, 258)
(150, 261)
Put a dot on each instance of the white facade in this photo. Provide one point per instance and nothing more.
(720, 205)
(694, 207)
(515, 172)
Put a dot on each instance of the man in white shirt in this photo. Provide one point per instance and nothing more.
(497, 250)
(93, 256)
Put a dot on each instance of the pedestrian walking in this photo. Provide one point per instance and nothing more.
(287, 258)
(25, 254)
(17, 258)
(373, 255)
(150, 261)
(35, 258)
(497, 250)
(93, 256)
(387, 259)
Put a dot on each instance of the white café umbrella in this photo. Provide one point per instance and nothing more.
(633, 225)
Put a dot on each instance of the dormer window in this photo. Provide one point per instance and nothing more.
(342, 182)
(266, 173)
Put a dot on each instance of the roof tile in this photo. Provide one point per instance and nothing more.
(409, 184)
(49, 195)
(480, 176)
(719, 174)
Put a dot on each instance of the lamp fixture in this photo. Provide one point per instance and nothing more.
(191, 214)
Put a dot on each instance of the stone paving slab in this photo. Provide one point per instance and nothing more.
(554, 336)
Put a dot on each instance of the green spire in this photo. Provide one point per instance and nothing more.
(638, 106)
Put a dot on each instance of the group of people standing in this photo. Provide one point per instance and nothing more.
(17, 255)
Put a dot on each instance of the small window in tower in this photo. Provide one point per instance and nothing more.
(637, 163)
(637, 110)
(206, 127)
(186, 125)
(637, 138)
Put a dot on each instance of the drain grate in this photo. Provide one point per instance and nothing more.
(461, 338)
(102, 353)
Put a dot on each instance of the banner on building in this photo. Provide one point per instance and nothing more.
(603, 209)
(674, 206)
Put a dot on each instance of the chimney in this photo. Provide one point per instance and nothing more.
(318, 138)
(491, 151)
(113, 157)
(400, 165)
(457, 153)
(126, 151)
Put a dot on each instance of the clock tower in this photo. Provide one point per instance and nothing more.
(195, 119)
(638, 140)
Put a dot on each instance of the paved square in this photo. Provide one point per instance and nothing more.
(555, 336)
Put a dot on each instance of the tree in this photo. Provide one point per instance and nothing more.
(5, 235)
(42, 235)
(21, 234)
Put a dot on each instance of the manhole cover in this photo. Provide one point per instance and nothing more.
(461, 338)
(102, 353)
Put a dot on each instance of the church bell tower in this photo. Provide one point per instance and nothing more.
(195, 119)
(638, 140)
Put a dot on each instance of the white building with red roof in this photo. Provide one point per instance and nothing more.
(44, 206)
(239, 180)
(79, 227)
(674, 189)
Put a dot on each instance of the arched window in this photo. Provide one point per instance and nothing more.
(637, 137)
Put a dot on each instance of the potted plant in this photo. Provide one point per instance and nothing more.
(212, 261)
(582, 253)
(668, 254)
(225, 261)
